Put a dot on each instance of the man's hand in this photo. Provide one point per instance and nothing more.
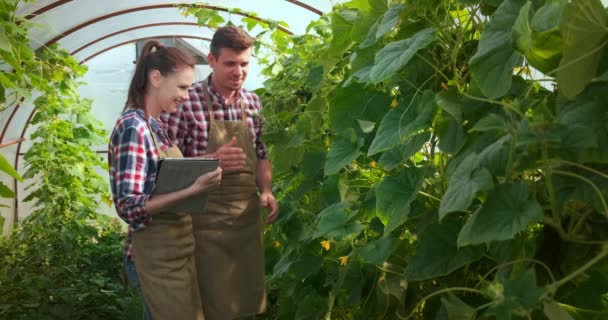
(268, 201)
(231, 157)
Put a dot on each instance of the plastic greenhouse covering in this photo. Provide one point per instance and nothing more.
(103, 34)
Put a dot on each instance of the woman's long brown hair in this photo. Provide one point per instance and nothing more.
(154, 56)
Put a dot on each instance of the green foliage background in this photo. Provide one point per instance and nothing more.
(423, 174)
(64, 261)
(425, 170)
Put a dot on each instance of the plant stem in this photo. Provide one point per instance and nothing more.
(603, 253)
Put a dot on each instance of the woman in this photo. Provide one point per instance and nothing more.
(160, 246)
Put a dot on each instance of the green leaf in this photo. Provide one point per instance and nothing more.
(335, 222)
(389, 20)
(316, 107)
(585, 34)
(539, 40)
(315, 78)
(520, 294)
(506, 212)
(392, 158)
(377, 251)
(5, 43)
(6, 192)
(343, 150)
(554, 312)
(456, 309)
(493, 63)
(8, 169)
(2, 220)
(209, 17)
(312, 162)
(404, 121)
(366, 20)
(341, 25)
(468, 179)
(450, 133)
(450, 103)
(394, 195)
(396, 55)
(370, 39)
(356, 102)
(579, 124)
(490, 122)
(437, 254)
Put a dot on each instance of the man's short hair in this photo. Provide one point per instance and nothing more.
(231, 37)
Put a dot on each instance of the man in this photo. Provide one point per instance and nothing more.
(222, 120)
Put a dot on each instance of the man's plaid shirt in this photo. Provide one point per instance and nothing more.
(188, 128)
(133, 162)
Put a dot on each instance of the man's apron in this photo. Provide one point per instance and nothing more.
(164, 259)
(229, 252)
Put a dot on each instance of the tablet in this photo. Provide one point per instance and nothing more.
(178, 173)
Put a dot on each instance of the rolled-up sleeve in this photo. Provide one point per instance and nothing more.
(129, 171)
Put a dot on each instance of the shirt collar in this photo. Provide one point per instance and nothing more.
(216, 96)
(155, 124)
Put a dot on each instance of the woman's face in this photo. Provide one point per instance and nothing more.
(173, 88)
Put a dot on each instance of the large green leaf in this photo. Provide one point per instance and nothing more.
(579, 125)
(396, 55)
(450, 103)
(341, 25)
(394, 195)
(506, 212)
(312, 162)
(491, 122)
(468, 179)
(520, 294)
(585, 34)
(404, 121)
(356, 102)
(335, 222)
(389, 20)
(392, 158)
(493, 63)
(450, 133)
(343, 150)
(367, 19)
(437, 253)
(377, 251)
(8, 169)
(539, 38)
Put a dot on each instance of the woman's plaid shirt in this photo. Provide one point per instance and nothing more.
(133, 162)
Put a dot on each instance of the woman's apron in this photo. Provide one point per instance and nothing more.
(229, 252)
(164, 259)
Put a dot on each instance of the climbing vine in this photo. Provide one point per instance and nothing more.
(64, 260)
(441, 160)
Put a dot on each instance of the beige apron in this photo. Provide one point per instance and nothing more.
(228, 236)
(164, 260)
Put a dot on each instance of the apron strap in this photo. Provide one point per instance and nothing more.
(154, 138)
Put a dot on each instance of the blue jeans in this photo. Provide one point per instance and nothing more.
(133, 281)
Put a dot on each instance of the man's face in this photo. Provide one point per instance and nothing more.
(230, 68)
